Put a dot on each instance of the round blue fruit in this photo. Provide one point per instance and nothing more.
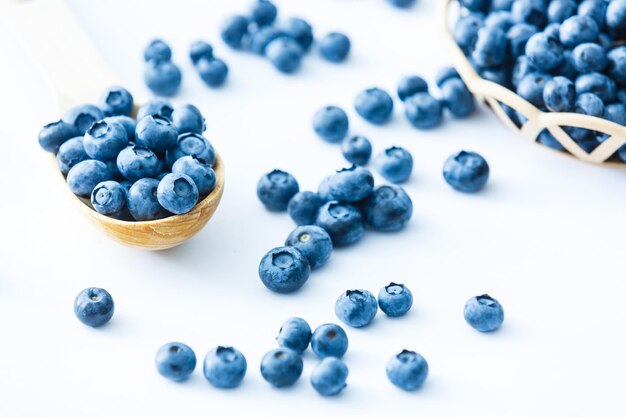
(423, 111)
(177, 193)
(343, 222)
(395, 300)
(55, 134)
(387, 209)
(163, 78)
(352, 184)
(156, 133)
(94, 306)
(299, 30)
(116, 101)
(407, 370)
(188, 118)
(295, 334)
(356, 308)
(175, 361)
(329, 376)
(281, 367)
(109, 198)
(374, 105)
(356, 149)
(189, 144)
(466, 171)
(200, 49)
(335, 47)
(136, 162)
(329, 340)
(198, 170)
(263, 12)
(234, 30)
(85, 175)
(411, 85)
(284, 269)
(83, 116)
(159, 106)
(225, 367)
(331, 123)
(285, 54)
(303, 207)
(457, 98)
(157, 50)
(103, 141)
(70, 153)
(313, 242)
(142, 200)
(395, 164)
(483, 313)
(275, 189)
(212, 71)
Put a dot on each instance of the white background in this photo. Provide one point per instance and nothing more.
(546, 238)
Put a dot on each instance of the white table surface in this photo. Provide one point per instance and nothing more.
(546, 237)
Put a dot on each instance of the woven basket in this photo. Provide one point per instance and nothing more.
(494, 95)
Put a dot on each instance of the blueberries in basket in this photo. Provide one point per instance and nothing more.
(466, 171)
(589, 57)
(395, 300)
(616, 19)
(225, 367)
(329, 340)
(483, 313)
(175, 361)
(70, 153)
(411, 85)
(531, 87)
(517, 36)
(177, 193)
(143, 203)
(83, 116)
(55, 134)
(104, 140)
(457, 98)
(617, 64)
(395, 164)
(598, 84)
(387, 209)
(329, 376)
(465, 32)
(294, 334)
(198, 170)
(313, 242)
(334, 47)
(284, 269)
(407, 370)
(285, 54)
(356, 149)
(445, 74)
(94, 306)
(116, 101)
(423, 111)
(490, 49)
(83, 177)
(187, 118)
(578, 29)
(343, 222)
(303, 207)
(559, 95)
(374, 105)
(109, 198)
(331, 123)
(281, 367)
(544, 52)
(276, 188)
(559, 10)
(534, 12)
(356, 308)
(590, 104)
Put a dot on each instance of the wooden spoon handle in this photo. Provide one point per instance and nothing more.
(50, 33)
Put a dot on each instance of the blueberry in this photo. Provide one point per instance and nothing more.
(517, 36)
(303, 207)
(356, 149)
(313, 242)
(109, 198)
(200, 49)
(423, 111)
(136, 162)
(285, 54)
(402, 4)
(329, 340)
(281, 367)
(323, 190)
(547, 139)
(94, 306)
(352, 184)
(559, 95)
(177, 193)
(590, 104)
(53, 135)
(387, 209)
(531, 87)
(356, 308)
(263, 12)
(598, 84)
(284, 269)
(466, 171)
(262, 37)
(163, 78)
(159, 106)
(407, 370)
(299, 30)
(212, 71)
(499, 75)
(457, 98)
(614, 112)
(483, 313)
(83, 116)
(617, 64)
(116, 101)
(329, 376)
(521, 68)
(198, 170)
(589, 57)
(343, 222)
(187, 118)
(501, 4)
(331, 123)
(191, 144)
(156, 133)
(616, 19)
(577, 30)
(335, 47)
(234, 30)
(530, 11)
(395, 300)
(595, 9)
(566, 69)
(411, 85)
(501, 19)
(103, 141)
(70, 153)
(621, 96)
(490, 48)
(465, 32)
(552, 30)
(275, 189)
(559, 10)
(395, 164)
(128, 123)
(143, 204)
(476, 5)
(445, 74)
(544, 52)
(294, 334)
(175, 361)
(83, 177)
(157, 50)
(374, 105)
(225, 367)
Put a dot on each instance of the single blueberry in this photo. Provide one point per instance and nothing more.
(136, 162)
(109, 198)
(281, 367)
(589, 57)
(590, 104)
(157, 50)
(331, 123)
(465, 32)
(598, 84)
(491, 47)
(483, 313)
(335, 47)
(534, 12)
(234, 30)
(200, 49)
(423, 111)
(294, 334)
(476, 5)
(212, 71)
(83, 116)
(559, 10)
(175, 361)
(198, 170)
(313, 242)
(445, 74)
(374, 105)
(616, 19)
(329, 340)
(352, 184)
(276, 188)
(262, 37)
(395, 164)
(466, 171)
(299, 30)
(595, 9)
(577, 30)
(356, 149)
(155, 133)
(187, 118)
(285, 54)
(71, 153)
(116, 101)
(142, 201)
(517, 37)
(343, 222)
(303, 207)
(83, 177)
(225, 367)
(407, 370)
(500, 18)
(617, 64)
(159, 106)
(402, 4)
(55, 134)
(263, 12)
(94, 306)
(559, 95)
(457, 98)
(189, 144)
(531, 86)
(163, 78)
(411, 85)
(614, 112)
(387, 209)
(127, 122)
(103, 141)
(329, 376)
(544, 52)
(395, 300)
(284, 269)
(356, 308)
(177, 193)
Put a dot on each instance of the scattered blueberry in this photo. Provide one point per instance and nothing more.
(331, 123)
(299, 30)
(200, 49)
(356, 308)
(234, 30)
(212, 71)
(94, 306)
(445, 74)
(225, 367)
(457, 98)
(352, 184)
(177, 193)
(387, 209)
(335, 47)
(423, 111)
(466, 171)
(490, 48)
(329, 340)
(313, 242)
(356, 149)
(163, 78)
(483, 313)
(55, 134)
(395, 300)
(284, 269)
(343, 222)
(263, 12)
(395, 164)
(157, 50)
(411, 85)
(175, 361)
(407, 370)
(294, 334)
(275, 189)
(281, 367)
(303, 207)
(329, 376)
(374, 105)
(285, 54)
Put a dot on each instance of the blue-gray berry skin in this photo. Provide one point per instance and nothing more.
(127, 122)
(621, 95)
(595, 9)
(329, 340)
(589, 57)
(225, 367)
(598, 84)
(534, 12)
(546, 139)
(212, 71)
(83, 116)
(559, 10)
(103, 141)
(402, 4)
(303, 207)
(356, 308)
(156, 133)
(281, 367)
(276, 188)
(498, 75)
(465, 32)
(109, 198)
(200, 49)
(387, 209)
(559, 95)
(374, 105)
(407, 370)
(294, 334)
(335, 47)
(188, 118)
(578, 29)
(262, 37)
(616, 19)
(501, 19)
(395, 164)
(159, 106)
(329, 376)
(116, 101)
(163, 78)
(531, 88)
(331, 123)
(142, 201)
(352, 184)
(234, 30)
(457, 98)
(411, 85)
(395, 300)
(299, 30)
(85, 175)
(198, 170)
(157, 50)
(617, 64)
(175, 361)
(313, 242)
(323, 190)
(501, 4)
(423, 111)
(544, 52)
(263, 12)
(94, 306)
(136, 162)
(55, 134)
(483, 313)
(521, 68)
(490, 49)
(189, 144)
(466, 171)
(285, 54)
(356, 149)
(284, 269)
(70, 153)
(517, 36)
(444, 74)
(343, 222)
(177, 193)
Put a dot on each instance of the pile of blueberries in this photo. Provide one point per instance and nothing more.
(140, 169)
(560, 55)
(285, 43)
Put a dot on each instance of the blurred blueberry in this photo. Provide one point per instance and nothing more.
(589, 57)
(559, 94)
(313, 242)
(142, 200)
(395, 164)
(621, 95)
(559, 10)
(94, 306)
(163, 78)
(331, 123)
(444, 74)
(499, 75)
(343, 222)
(387, 209)
(263, 12)
(284, 269)
(534, 12)
(374, 105)
(598, 84)
(157, 50)
(402, 4)
(466, 171)
(276, 188)
(411, 85)
(531, 87)
(491, 47)
(501, 19)
(116, 101)
(177, 193)
(517, 36)
(234, 30)
(423, 111)
(457, 98)
(335, 47)
(407, 370)
(617, 64)
(225, 367)
(483, 313)
(547, 139)
(212, 71)
(175, 361)
(329, 376)
(53, 135)
(395, 300)
(200, 49)
(198, 170)
(323, 190)
(544, 52)
(465, 32)
(356, 149)
(616, 19)
(83, 116)
(299, 30)
(329, 340)
(155, 133)
(284, 54)
(281, 367)
(294, 334)
(501, 4)
(303, 207)
(577, 30)
(187, 118)
(590, 104)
